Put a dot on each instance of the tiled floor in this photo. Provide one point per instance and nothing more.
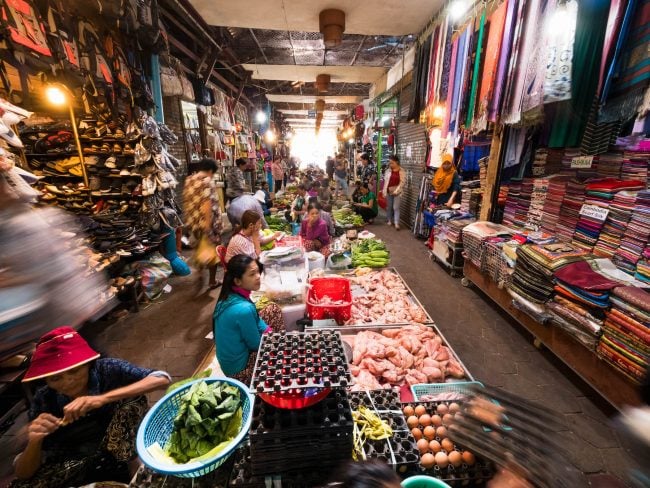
(170, 335)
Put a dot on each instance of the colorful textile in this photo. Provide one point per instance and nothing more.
(612, 34)
(559, 52)
(477, 66)
(581, 275)
(459, 80)
(450, 89)
(635, 296)
(504, 60)
(490, 65)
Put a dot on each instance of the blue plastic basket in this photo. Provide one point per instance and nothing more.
(463, 387)
(158, 425)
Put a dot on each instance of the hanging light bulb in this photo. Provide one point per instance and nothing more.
(457, 8)
(269, 136)
(260, 116)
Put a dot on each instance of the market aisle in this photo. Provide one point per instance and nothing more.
(501, 354)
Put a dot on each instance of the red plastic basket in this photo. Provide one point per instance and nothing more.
(334, 289)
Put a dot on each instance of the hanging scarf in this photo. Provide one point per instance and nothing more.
(450, 90)
(477, 67)
(492, 51)
(443, 179)
(616, 13)
(557, 85)
(459, 81)
(504, 61)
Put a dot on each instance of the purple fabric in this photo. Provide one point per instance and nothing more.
(316, 232)
(450, 91)
(504, 60)
(616, 13)
(459, 78)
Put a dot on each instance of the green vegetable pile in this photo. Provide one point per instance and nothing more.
(270, 245)
(210, 416)
(278, 223)
(346, 217)
(371, 253)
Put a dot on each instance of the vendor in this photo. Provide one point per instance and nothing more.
(299, 205)
(84, 421)
(238, 327)
(446, 182)
(314, 231)
(268, 199)
(248, 238)
(356, 194)
(366, 205)
(261, 197)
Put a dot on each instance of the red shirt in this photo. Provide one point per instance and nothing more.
(394, 179)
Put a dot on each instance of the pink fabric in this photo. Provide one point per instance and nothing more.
(616, 14)
(242, 291)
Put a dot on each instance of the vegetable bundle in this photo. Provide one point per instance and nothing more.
(210, 416)
(278, 223)
(371, 253)
(346, 217)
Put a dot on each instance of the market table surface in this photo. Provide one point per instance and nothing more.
(607, 381)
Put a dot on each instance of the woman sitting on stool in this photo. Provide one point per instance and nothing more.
(314, 231)
(366, 205)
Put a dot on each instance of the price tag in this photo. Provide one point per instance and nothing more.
(582, 162)
(594, 212)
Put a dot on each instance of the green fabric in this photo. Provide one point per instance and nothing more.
(571, 116)
(369, 196)
(477, 67)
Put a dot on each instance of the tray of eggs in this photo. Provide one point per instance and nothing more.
(439, 455)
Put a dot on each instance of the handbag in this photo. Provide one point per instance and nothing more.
(170, 82)
(188, 89)
(206, 253)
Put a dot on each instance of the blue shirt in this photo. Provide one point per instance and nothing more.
(238, 331)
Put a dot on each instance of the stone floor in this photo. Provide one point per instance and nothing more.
(170, 334)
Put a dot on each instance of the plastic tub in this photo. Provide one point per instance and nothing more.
(422, 481)
(335, 289)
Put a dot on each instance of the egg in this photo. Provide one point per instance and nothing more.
(429, 432)
(425, 420)
(442, 460)
(409, 410)
(455, 459)
(454, 408)
(434, 446)
(447, 419)
(420, 410)
(442, 409)
(436, 420)
(423, 446)
(412, 422)
(441, 432)
(468, 458)
(428, 461)
(447, 445)
(417, 434)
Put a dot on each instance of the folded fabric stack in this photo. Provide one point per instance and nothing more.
(620, 212)
(625, 342)
(503, 195)
(537, 200)
(533, 276)
(582, 295)
(523, 203)
(547, 162)
(553, 202)
(514, 191)
(570, 211)
(567, 157)
(608, 165)
(637, 235)
(539, 162)
(635, 166)
(643, 267)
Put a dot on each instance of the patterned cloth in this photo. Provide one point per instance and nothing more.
(240, 244)
(199, 188)
(559, 50)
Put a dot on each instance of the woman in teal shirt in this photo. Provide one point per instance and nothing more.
(238, 327)
(366, 205)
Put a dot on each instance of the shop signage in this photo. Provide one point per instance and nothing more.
(311, 114)
(594, 212)
(582, 162)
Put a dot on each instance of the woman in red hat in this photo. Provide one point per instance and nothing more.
(84, 421)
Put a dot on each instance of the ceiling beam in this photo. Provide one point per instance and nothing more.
(356, 54)
(259, 46)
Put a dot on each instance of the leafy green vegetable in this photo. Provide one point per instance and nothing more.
(209, 417)
(178, 384)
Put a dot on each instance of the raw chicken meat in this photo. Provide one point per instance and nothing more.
(411, 354)
(386, 301)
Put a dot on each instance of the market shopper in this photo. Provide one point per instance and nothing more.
(330, 163)
(277, 169)
(314, 230)
(299, 205)
(240, 204)
(446, 182)
(202, 215)
(84, 421)
(248, 238)
(368, 173)
(394, 180)
(238, 327)
(366, 205)
(236, 183)
(341, 175)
